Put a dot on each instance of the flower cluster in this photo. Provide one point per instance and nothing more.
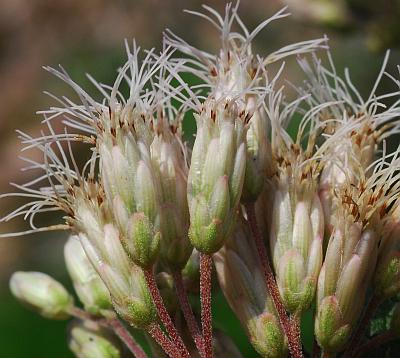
(290, 223)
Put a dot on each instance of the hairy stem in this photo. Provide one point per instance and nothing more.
(205, 298)
(165, 343)
(124, 335)
(295, 320)
(293, 337)
(116, 326)
(364, 324)
(374, 343)
(188, 312)
(163, 313)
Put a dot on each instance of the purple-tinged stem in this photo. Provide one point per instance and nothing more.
(126, 337)
(163, 313)
(188, 312)
(165, 343)
(294, 341)
(205, 299)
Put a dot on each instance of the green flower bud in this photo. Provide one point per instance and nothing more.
(330, 331)
(191, 273)
(216, 174)
(88, 340)
(297, 292)
(242, 282)
(41, 293)
(124, 280)
(387, 277)
(266, 336)
(387, 274)
(296, 245)
(342, 285)
(259, 165)
(169, 157)
(142, 242)
(132, 188)
(87, 283)
(102, 242)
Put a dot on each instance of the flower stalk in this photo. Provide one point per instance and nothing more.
(205, 299)
(188, 313)
(163, 314)
(290, 330)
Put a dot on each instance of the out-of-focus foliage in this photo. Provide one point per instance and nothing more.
(89, 34)
(377, 21)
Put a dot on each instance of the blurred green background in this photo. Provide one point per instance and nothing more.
(87, 36)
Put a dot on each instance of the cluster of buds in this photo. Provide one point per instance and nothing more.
(216, 174)
(287, 222)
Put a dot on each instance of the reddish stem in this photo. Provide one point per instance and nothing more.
(116, 326)
(165, 343)
(125, 337)
(205, 299)
(374, 343)
(364, 324)
(295, 327)
(188, 312)
(163, 313)
(294, 341)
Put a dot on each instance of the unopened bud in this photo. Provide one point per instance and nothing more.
(142, 242)
(296, 243)
(242, 282)
(87, 283)
(169, 157)
(387, 277)
(330, 331)
(136, 305)
(191, 273)
(124, 280)
(88, 340)
(216, 175)
(259, 165)
(41, 293)
(132, 190)
(342, 285)
(267, 337)
(387, 273)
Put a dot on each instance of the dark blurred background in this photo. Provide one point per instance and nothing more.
(87, 36)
